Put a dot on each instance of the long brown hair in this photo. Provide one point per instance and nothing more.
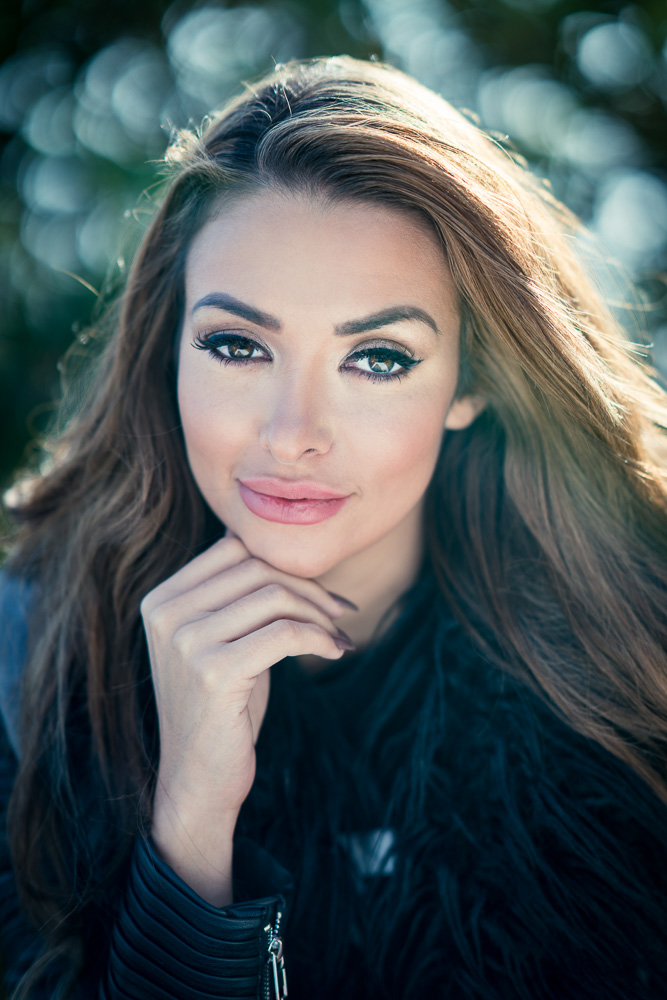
(546, 518)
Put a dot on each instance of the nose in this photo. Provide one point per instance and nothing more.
(298, 421)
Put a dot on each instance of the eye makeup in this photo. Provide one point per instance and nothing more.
(245, 348)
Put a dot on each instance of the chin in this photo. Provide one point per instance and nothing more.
(305, 559)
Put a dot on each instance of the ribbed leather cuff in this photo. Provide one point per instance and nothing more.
(170, 944)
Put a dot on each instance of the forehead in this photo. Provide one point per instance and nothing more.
(289, 244)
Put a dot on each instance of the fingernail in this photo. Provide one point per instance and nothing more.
(343, 642)
(343, 600)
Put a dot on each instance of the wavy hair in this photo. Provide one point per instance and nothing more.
(546, 519)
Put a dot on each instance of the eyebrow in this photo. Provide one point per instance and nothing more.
(221, 300)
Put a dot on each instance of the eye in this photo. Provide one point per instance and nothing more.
(382, 364)
(238, 349)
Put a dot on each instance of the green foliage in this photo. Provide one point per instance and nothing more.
(88, 94)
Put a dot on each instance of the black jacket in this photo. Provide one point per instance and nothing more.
(525, 862)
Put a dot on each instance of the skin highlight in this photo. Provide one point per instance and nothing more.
(299, 408)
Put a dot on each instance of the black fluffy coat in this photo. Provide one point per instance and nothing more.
(529, 863)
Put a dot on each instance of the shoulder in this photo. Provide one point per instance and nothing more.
(16, 600)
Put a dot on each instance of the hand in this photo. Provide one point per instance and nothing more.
(213, 630)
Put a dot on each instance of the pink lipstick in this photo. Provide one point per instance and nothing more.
(290, 502)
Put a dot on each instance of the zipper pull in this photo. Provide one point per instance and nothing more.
(277, 961)
(278, 965)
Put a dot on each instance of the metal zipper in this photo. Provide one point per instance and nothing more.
(274, 974)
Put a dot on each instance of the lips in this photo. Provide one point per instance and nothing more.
(298, 489)
(309, 503)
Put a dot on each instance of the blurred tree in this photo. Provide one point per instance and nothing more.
(73, 160)
(88, 93)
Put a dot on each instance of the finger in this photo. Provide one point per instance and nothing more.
(248, 615)
(223, 554)
(249, 655)
(250, 575)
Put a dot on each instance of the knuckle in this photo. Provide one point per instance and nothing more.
(209, 677)
(258, 568)
(275, 591)
(287, 630)
(184, 640)
(235, 546)
(157, 617)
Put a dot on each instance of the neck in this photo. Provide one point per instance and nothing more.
(373, 579)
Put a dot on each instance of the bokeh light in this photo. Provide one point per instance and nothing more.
(614, 55)
(87, 104)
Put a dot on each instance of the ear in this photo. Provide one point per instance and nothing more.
(463, 411)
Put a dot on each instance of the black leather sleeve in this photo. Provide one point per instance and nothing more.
(166, 942)
(169, 943)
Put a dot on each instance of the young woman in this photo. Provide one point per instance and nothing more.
(359, 404)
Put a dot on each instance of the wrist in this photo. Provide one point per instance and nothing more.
(198, 847)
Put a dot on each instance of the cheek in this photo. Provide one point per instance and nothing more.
(215, 427)
(400, 445)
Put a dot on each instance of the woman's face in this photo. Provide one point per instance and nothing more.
(320, 313)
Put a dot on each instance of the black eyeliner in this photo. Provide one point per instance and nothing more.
(210, 341)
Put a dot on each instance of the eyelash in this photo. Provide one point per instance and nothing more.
(210, 342)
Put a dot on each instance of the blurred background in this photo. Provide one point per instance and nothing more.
(89, 93)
